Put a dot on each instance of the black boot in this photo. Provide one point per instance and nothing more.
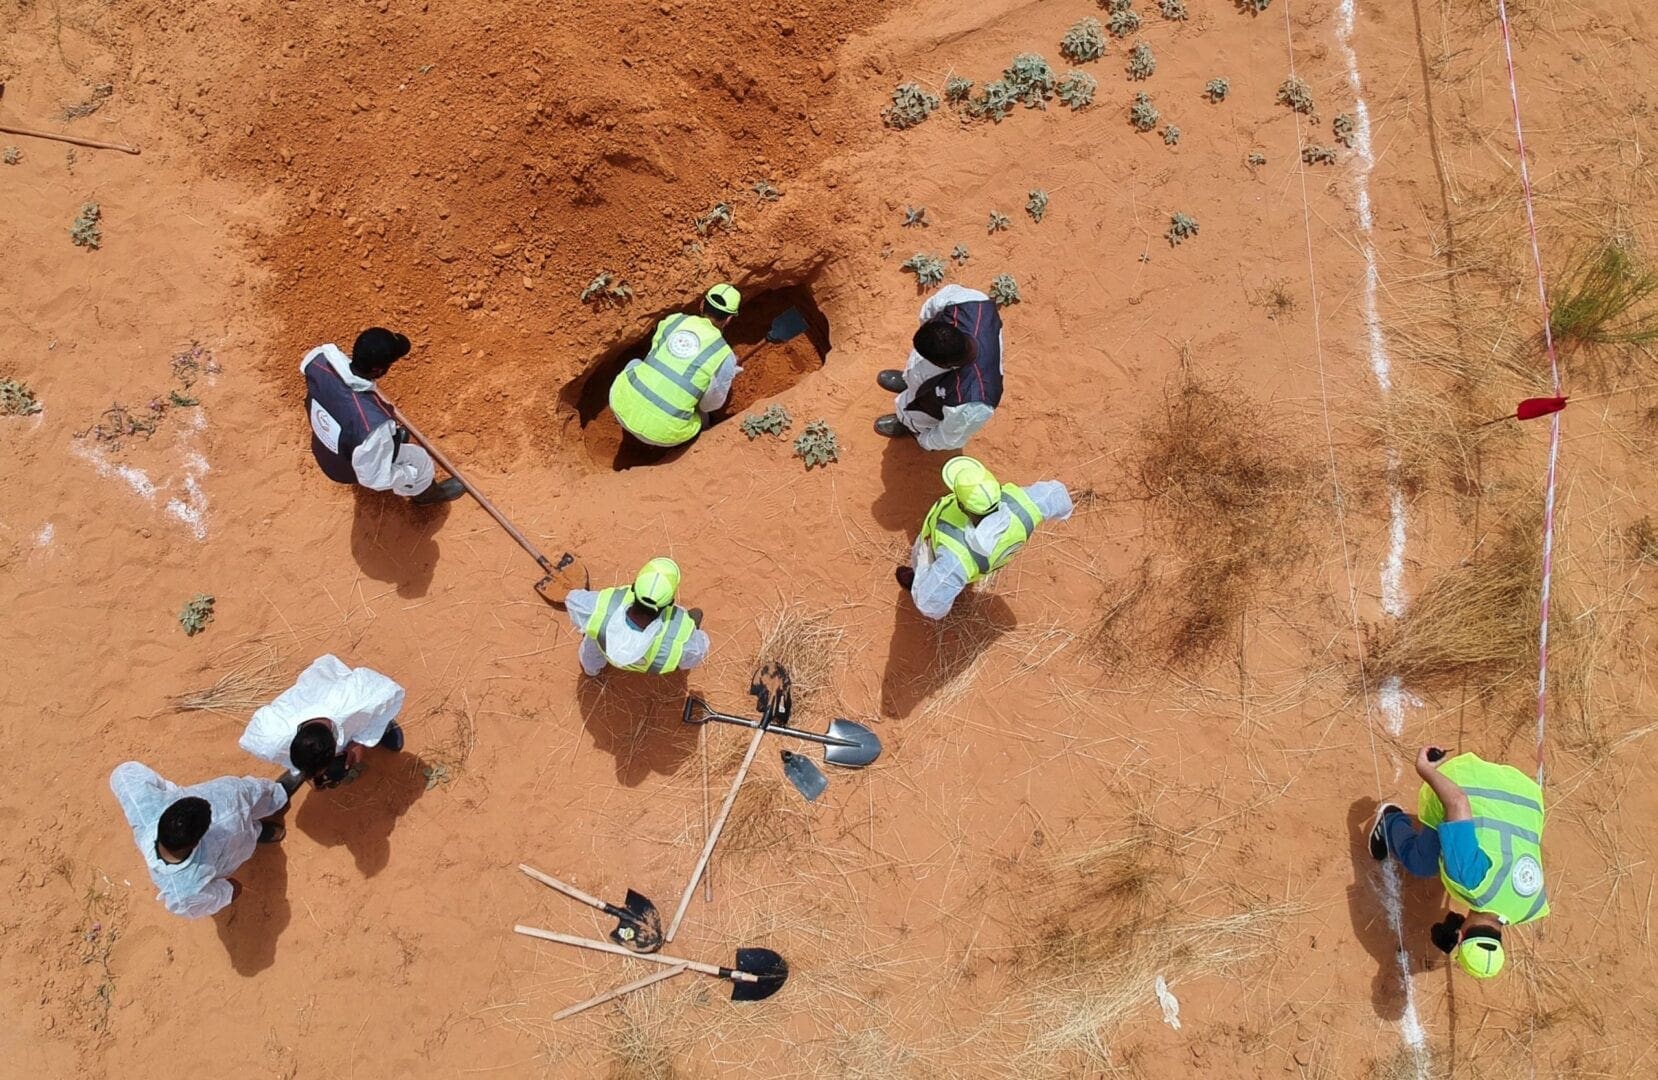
(892, 380)
(444, 491)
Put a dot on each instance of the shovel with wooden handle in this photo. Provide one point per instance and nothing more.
(638, 926)
(756, 975)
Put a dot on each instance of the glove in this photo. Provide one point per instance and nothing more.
(1446, 934)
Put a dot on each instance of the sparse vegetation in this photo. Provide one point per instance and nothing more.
(607, 288)
(774, 421)
(1642, 536)
(995, 101)
(1141, 63)
(1297, 95)
(1076, 89)
(957, 89)
(85, 231)
(1083, 42)
(1318, 155)
(910, 105)
(960, 254)
(11, 155)
(817, 445)
(1122, 20)
(765, 191)
(182, 401)
(196, 614)
(1004, 290)
(119, 423)
(1143, 114)
(1036, 204)
(998, 222)
(928, 269)
(1274, 299)
(1216, 90)
(717, 217)
(1255, 160)
(1345, 130)
(1254, 7)
(1032, 80)
(1603, 299)
(16, 399)
(93, 102)
(1174, 10)
(1181, 227)
(1171, 136)
(915, 217)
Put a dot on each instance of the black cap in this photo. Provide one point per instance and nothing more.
(378, 347)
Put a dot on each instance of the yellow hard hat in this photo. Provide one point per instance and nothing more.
(1481, 956)
(972, 484)
(724, 298)
(657, 583)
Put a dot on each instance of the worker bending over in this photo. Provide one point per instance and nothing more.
(638, 627)
(194, 838)
(1481, 831)
(975, 530)
(353, 435)
(320, 728)
(686, 374)
(953, 381)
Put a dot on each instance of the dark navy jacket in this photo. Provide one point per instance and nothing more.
(979, 381)
(341, 418)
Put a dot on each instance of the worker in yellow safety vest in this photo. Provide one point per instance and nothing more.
(685, 375)
(1481, 832)
(975, 530)
(638, 627)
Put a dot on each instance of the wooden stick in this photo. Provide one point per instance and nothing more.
(714, 834)
(627, 988)
(707, 880)
(568, 890)
(93, 143)
(655, 958)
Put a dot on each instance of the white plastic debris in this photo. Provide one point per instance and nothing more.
(1170, 1003)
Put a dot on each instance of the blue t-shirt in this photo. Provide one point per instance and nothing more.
(1460, 853)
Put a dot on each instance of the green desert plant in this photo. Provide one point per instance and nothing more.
(1602, 299)
(1123, 20)
(607, 288)
(11, 155)
(1173, 9)
(1256, 159)
(717, 217)
(1032, 80)
(774, 421)
(766, 191)
(817, 445)
(85, 231)
(1036, 204)
(1216, 90)
(1345, 130)
(1083, 42)
(1076, 89)
(1143, 114)
(1254, 7)
(957, 89)
(1181, 227)
(960, 254)
(1141, 63)
(196, 614)
(995, 101)
(998, 222)
(915, 216)
(1171, 136)
(1297, 95)
(910, 105)
(16, 399)
(1318, 155)
(928, 269)
(1004, 290)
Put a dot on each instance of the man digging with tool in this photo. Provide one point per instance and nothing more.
(974, 530)
(194, 838)
(1481, 831)
(663, 399)
(353, 435)
(953, 381)
(320, 728)
(638, 627)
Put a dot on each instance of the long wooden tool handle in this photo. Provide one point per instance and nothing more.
(627, 988)
(437, 455)
(714, 833)
(655, 958)
(568, 890)
(93, 143)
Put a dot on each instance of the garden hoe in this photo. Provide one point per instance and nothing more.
(756, 975)
(638, 926)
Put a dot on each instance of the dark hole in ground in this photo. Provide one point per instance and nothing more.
(769, 368)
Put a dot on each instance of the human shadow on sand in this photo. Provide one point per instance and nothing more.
(910, 485)
(636, 718)
(362, 814)
(1423, 902)
(395, 541)
(250, 926)
(925, 657)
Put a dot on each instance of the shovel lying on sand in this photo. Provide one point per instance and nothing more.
(638, 926)
(756, 975)
(849, 744)
(559, 577)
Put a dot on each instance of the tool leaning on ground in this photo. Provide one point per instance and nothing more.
(559, 577)
(755, 975)
(638, 926)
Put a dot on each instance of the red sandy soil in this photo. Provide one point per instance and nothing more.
(461, 172)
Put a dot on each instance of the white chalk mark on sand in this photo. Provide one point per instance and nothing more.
(43, 538)
(1168, 1002)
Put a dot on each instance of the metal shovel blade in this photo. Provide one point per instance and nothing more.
(806, 777)
(562, 576)
(866, 749)
(639, 925)
(771, 690)
(772, 969)
(790, 324)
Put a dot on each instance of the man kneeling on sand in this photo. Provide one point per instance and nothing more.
(321, 728)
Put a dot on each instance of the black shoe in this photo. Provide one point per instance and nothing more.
(393, 738)
(445, 491)
(272, 832)
(696, 617)
(1378, 831)
(906, 577)
(890, 426)
(892, 380)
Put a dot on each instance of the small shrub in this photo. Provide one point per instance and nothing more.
(86, 232)
(16, 399)
(196, 614)
(766, 191)
(1181, 228)
(1032, 80)
(1171, 136)
(607, 288)
(1076, 89)
(1141, 63)
(1254, 7)
(1596, 301)
(1004, 290)
(182, 401)
(1123, 19)
(1256, 159)
(957, 89)
(1037, 204)
(718, 217)
(817, 445)
(998, 222)
(1173, 9)
(961, 254)
(1083, 42)
(928, 269)
(1318, 155)
(774, 421)
(995, 101)
(1143, 114)
(1345, 130)
(910, 105)
(1643, 540)
(1297, 95)
(915, 216)
(1216, 90)
(11, 155)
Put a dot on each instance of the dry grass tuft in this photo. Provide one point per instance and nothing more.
(768, 817)
(1642, 538)
(812, 646)
(641, 1036)
(254, 676)
(1234, 492)
(1603, 299)
(1113, 638)
(1430, 439)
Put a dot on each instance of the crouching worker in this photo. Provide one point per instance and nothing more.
(320, 728)
(1480, 829)
(353, 435)
(638, 627)
(664, 399)
(194, 838)
(974, 530)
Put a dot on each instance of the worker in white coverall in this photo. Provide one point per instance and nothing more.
(953, 382)
(320, 728)
(638, 627)
(973, 531)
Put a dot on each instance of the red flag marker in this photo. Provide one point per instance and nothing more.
(1532, 408)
